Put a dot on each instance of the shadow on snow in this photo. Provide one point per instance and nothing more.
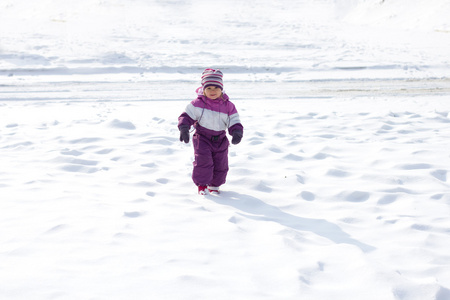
(256, 209)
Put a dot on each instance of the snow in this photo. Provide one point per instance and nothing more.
(338, 190)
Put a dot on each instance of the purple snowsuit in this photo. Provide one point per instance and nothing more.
(210, 119)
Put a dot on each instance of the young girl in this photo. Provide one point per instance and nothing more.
(210, 114)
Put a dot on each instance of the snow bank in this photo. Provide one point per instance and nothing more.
(264, 41)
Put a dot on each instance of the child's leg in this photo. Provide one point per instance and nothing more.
(202, 173)
(220, 159)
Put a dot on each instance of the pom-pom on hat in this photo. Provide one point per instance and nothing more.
(212, 77)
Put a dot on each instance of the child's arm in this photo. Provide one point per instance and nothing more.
(235, 127)
(184, 120)
(184, 125)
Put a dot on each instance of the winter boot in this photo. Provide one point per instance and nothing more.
(213, 189)
(202, 189)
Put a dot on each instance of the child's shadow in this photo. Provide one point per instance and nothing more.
(256, 209)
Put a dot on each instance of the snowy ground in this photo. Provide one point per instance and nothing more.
(339, 189)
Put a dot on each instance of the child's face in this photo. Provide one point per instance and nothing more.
(213, 92)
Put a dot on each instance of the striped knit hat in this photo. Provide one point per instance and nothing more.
(212, 77)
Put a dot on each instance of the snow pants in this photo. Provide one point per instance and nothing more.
(211, 160)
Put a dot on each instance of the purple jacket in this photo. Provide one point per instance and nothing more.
(211, 117)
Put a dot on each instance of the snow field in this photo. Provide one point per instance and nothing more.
(339, 189)
(339, 194)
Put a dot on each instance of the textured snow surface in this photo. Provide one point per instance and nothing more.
(339, 189)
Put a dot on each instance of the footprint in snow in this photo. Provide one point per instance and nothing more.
(122, 124)
(132, 214)
(308, 196)
(356, 196)
(162, 180)
(387, 199)
(440, 175)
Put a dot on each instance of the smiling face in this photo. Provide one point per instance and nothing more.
(212, 92)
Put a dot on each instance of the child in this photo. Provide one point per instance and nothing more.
(210, 114)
